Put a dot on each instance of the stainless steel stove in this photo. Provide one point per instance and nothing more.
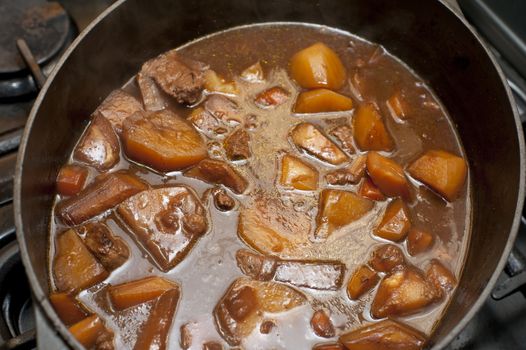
(38, 31)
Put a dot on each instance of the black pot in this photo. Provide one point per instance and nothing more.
(425, 34)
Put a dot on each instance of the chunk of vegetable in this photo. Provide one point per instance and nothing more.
(395, 223)
(317, 66)
(166, 221)
(243, 306)
(110, 250)
(218, 173)
(297, 174)
(370, 133)
(118, 106)
(384, 335)
(133, 293)
(321, 324)
(418, 241)
(154, 332)
(186, 334)
(152, 96)
(387, 175)
(162, 140)
(71, 179)
(363, 280)
(348, 175)
(328, 346)
(216, 83)
(256, 266)
(404, 291)
(369, 190)
(99, 146)
(322, 100)
(386, 257)
(443, 279)
(212, 345)
(67, 308)
(103, 194)
(444, 172)
(254, 73)
(74, 267)
(306, 136)
(343, 133)
(337, 209)
(236, 145)
(88, 330)
(273, 97)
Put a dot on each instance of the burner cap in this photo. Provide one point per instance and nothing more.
(44, 26)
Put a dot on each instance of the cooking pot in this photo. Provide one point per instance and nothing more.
(431, 38)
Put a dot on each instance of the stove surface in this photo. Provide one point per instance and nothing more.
(500, 324)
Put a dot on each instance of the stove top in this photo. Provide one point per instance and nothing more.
(46, 29)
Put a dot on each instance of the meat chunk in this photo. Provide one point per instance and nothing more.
(297, 174)
(322, 100)
(103, 194)
(363, 280)
(306, 136)
(166, 221)
(321, 324)
(256, 266)
(154, 333)
(242, 306)
(223, 201)
(118, 106)
(387, 334)
(443, 279)
(348, 175)
(444, 172)
(162, 140)
(339, 208)
(236, 145)
(395, 223)
(186, 331)
(99, 146)
(179, 77)
(223, 108)
(370, 132)
(152, 97)
(272, 228)
(74, 267)
(110, 250)
(266, 326)
(218, 173)
(272, 97)
(67, 308)
(92, 333)
(388, 175)
(212, 345)
(404, 291)
(386, 257)
(133, 293)
(343, 133)
(71, 179)
(418, 241)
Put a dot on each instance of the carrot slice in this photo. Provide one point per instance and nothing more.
(129, 294)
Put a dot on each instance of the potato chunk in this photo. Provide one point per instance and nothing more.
(337, 209)
(154, 333)
(297, 174)
(236, 145)
(67, 308)
(242, 306)
(387, 175)
(103, 194)
(166, 221)
(403, 291)
(74, 267)
(306, 136)
(322, 100)
(136, 292)
(321, 324)
(91, 332)
(99, 146)
(71, 179)
(363, 280)
(317, 66)
(162, 140)
(272, 97)
(386, 257)
(395, 223)
(384, 335)
(118, 106)
(110, 250)
(444, 172)
(218, 173)
(418, 241)
(369, 190)
(443, 279)
(370, 132)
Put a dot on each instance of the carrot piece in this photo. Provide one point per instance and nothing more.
(444, 172)
(298, 174)
(67, 307)
(129, 294)
(361, 281)
(322, 100)
(369, 190)
(318, 66)
(418, 241)
(395, 224)
(88, 330)
(71, 179)
(370, 133)
(387, 175)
